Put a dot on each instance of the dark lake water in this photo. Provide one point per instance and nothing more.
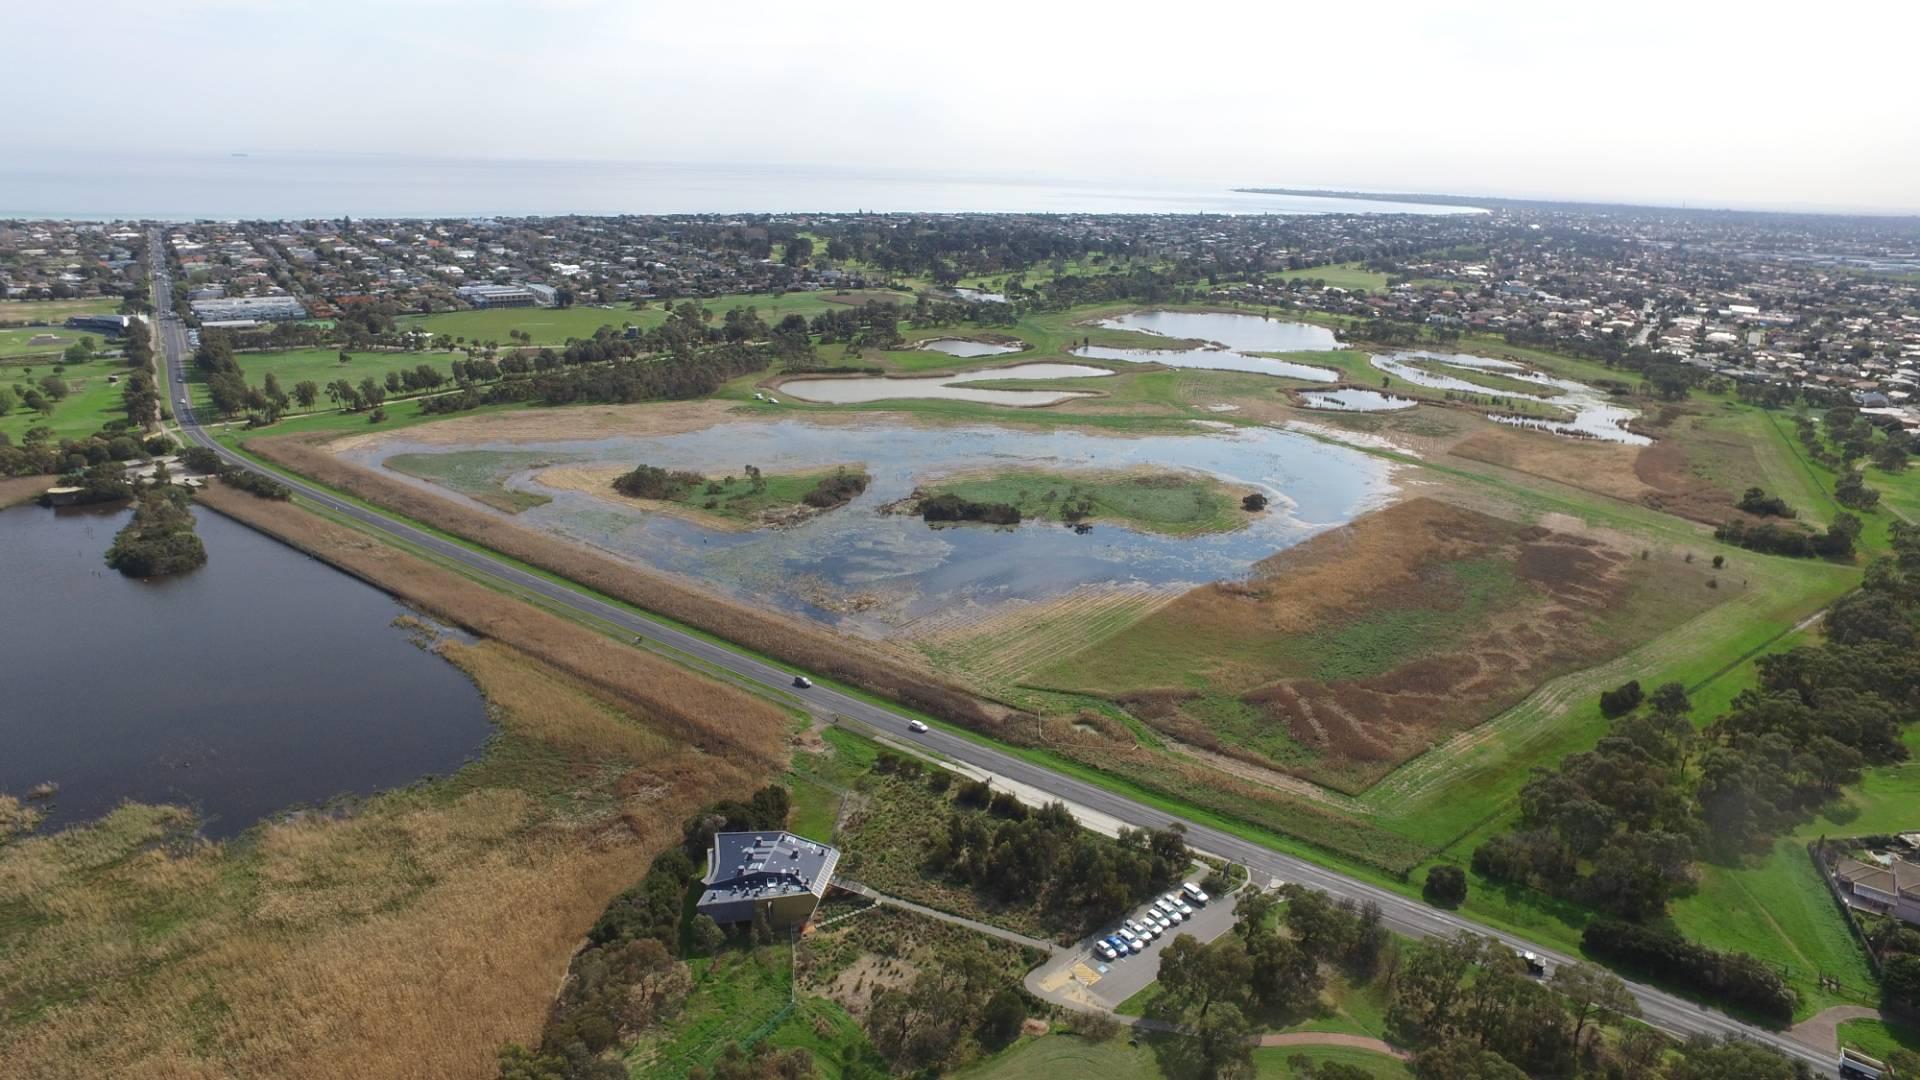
(265, 679)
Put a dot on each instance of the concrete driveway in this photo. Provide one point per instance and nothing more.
(1077, 979)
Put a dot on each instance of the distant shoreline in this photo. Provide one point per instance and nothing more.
(1501, 203)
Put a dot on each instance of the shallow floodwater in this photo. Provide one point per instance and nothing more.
(874, 572)
(965, 348)
(1354, 399)
(262, 680)
(1239, 334)
(1592, 414)
(859, 391)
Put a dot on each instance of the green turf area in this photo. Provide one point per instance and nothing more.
(818, 780)
(736, 995)
(321, 366)
(19, 345)
(1780, 911)
(90, 403)
(1880, 1039)
(737, 499)
(54, 312)
(1178, 504)
(478, 474)
(1350, 276)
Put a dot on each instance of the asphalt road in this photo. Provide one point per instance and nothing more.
(1672, 1014)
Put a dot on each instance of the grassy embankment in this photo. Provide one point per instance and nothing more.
(1178, 504)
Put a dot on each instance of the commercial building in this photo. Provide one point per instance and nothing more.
(100, 324)
(778, 873)
(260, 308)
(493, 296)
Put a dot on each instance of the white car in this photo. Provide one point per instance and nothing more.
(1193, 893)
(918, 727)
(1105, 952)
(1132, 939)
(1165, 924)
(1185, 909)
(1166, 910)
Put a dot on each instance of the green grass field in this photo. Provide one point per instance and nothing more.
(553, 326)
(91, 401)
(1350, 276)
(1164, 502)
(321, 366)
(19, 344)
(1880, 1039)
(54, 312)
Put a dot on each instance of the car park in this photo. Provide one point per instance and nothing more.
(1167, 909)
(1128, 935)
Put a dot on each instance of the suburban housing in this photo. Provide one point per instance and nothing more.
(776, 872)
(1890, 889)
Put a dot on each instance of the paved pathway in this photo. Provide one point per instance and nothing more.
(1822, 1030)
(1333, 1038)
(947, 916)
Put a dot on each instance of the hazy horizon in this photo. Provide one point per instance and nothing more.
(1650, 105)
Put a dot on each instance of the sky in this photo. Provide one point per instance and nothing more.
(1757, 104)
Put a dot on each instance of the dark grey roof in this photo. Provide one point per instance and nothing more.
(753, 865)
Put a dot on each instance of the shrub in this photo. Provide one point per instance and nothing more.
(951, 507)
(1446, 886)
(1622, 699)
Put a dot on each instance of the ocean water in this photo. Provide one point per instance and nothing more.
(272, 186)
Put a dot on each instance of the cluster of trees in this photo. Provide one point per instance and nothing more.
(1898, 947)
(653, 482)
(1734, 979)
(927, 1024)
(1041, 857)
(631, 974)
(1215, 992)
(873, 325)
(1756, 501)
(680, 375)
(1795, 540)
(39, 452)
(947, 506)
(836, 490)
(1661, 374)
(160, 538)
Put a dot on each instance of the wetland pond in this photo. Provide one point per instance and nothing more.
(963, 347)
(1232, 338)
(1354, 399)
(864, 389)
(1591, 415)
(263, 680)
(878, 572)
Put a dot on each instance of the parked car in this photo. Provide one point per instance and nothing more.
(1117, 943)
(1131, 937)
(1166, 908)
(1105, 952)
(1185, 909)
(1193, 893)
